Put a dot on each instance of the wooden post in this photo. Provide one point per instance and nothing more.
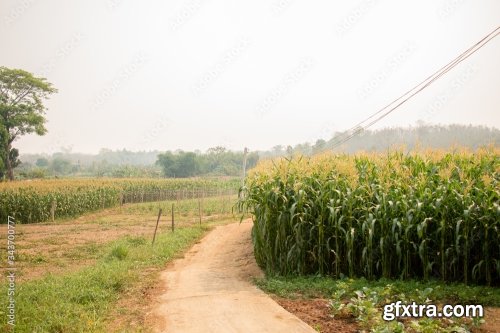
(199, 209)
(53, 210)
(173, 223)
(157, 221)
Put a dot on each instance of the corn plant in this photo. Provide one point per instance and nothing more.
(38, 201)
(423, 215)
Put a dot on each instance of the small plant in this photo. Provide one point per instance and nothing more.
(119, 252)
(365, 305)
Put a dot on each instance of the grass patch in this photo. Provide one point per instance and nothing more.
(325, 287)
(81, 301)
(86, 251)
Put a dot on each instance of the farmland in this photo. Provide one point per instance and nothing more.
(427, 215)
(43, 200)
(97, 272)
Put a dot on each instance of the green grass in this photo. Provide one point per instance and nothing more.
(325, 287)
(187, 207)
(83, 300)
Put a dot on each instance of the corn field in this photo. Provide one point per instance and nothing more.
(38, 201)
(422, 215)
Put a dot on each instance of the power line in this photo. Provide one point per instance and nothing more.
(359, 127)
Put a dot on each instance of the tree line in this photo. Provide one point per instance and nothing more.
(216, 161)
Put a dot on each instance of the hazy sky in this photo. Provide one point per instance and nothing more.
(193, 74)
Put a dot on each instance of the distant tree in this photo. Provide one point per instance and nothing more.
(252, 159)
(21, 110)
(319, 146)
(42, 162)
(166, 162)
(186, 165)
(61, 166)
(277, 150)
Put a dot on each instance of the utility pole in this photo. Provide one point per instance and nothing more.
(245, 152)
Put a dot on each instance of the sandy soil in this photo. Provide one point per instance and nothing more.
(210, 290)
(316, 313)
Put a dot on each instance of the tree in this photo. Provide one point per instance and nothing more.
(319, 146)
(21, 110)
(61, 166)
(167, 161)
(42, 162)
(180, 165)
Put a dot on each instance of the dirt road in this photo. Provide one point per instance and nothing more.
(210, 290)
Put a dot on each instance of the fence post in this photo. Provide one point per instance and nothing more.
(53, 210)
(199, 209)
(157, 221)
(173, 223)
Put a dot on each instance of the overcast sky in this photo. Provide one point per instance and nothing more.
(193, 74)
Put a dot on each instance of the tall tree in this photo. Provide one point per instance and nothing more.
(21, 110)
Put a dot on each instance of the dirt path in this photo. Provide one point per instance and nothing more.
(210, 290)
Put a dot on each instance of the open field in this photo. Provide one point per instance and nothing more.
(66, 244)
(95, 273)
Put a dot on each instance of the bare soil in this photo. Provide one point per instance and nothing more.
(63, 246)
(315, 312)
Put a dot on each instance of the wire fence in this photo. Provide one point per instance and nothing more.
(170, 195)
